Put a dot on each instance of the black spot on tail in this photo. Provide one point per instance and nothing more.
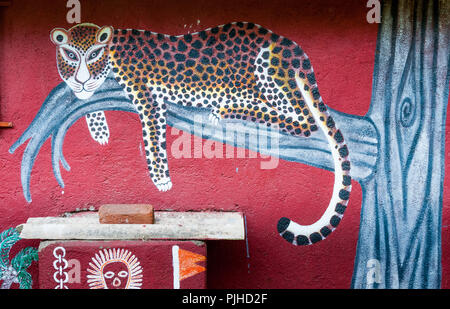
(346, 180)
(288, 236)
(344, 195)
(330, 122)
(325, 231)
(343, 151)
(340, 208)
(338, 137)
(315, 237)
(282, 225)
(346, 165)
(335, 220)
(302, 240)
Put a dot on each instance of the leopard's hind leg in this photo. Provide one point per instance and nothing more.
(260, 111)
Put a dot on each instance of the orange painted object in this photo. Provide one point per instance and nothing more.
(188, 264)
(6, 124)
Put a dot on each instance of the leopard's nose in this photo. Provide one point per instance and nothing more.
(82, 75)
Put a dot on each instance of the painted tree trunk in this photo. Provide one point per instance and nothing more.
(400, 233)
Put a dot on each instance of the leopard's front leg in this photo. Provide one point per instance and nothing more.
(98, 127)
(153, 120)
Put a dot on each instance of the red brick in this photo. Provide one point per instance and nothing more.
(126, 214)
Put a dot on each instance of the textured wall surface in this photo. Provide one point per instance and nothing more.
(341, 45)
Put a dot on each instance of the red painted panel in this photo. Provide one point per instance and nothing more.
(122, 265)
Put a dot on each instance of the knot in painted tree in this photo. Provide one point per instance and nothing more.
(407, 112)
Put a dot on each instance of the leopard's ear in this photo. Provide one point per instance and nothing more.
(59, 36)
(104, 34)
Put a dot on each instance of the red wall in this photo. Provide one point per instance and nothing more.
(341, 45)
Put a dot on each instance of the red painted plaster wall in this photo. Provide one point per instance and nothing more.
(341, 45)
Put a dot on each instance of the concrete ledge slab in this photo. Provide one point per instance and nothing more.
(168, 226)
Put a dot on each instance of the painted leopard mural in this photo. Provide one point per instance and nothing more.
(239, 70)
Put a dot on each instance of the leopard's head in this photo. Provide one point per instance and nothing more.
(82, 56)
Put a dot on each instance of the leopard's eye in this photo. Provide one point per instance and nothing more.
(70, 54)
(94, 53)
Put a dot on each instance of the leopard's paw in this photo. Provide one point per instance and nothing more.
(102, 138)
(214, 118)
(164, 185)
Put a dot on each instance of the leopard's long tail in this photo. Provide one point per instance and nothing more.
(309, 234)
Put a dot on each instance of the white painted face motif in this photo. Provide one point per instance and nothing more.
(114, 269)
(83, 57)
(116, 275)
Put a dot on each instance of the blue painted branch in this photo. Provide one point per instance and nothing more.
(359, 132)
(61, 110)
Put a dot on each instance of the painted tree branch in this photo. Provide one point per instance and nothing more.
(61, 110)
